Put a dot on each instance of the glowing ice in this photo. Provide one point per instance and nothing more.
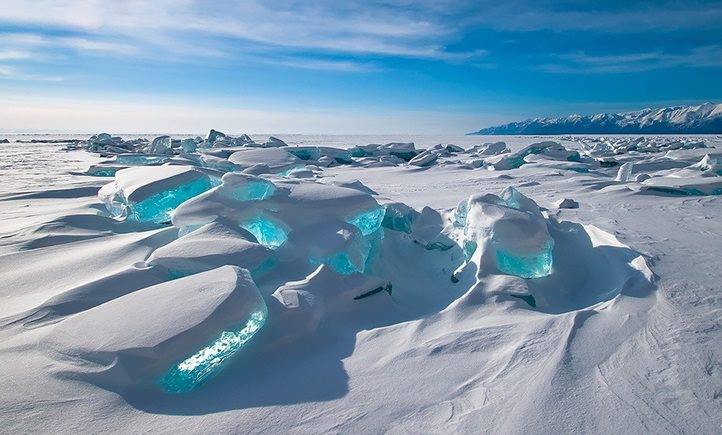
(102, 171)
(253, 190)
(188, 145)
(160, 145)
(140, 159)
(151, 194)
(534, 265)
(267, 232)
(369, 221)
(355, 256)
(509, 229)
(158, 208)
(194, 370)
(399, 217)
(305, 153)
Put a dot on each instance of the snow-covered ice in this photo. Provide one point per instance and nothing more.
(236, 283)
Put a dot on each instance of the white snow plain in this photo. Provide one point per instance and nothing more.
(320, 284)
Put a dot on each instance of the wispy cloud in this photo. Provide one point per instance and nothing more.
(630, 17)
(583, 63)
(14, 54)
(12, 73)
(323, 64)
(27, 41)
(229, 28)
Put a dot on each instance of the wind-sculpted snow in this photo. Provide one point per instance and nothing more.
(241, 282)
(198, 312)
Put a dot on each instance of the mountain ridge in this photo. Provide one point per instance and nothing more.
(703, 118)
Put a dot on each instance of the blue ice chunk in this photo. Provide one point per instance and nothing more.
(460, 213)
(288, 172)
(534, 265)
(102, 171)
(160, 145)
(159, 207)
(188, 145)
(398, 219)
(140, 159)
(513, 198)
(358, 152)
(268, 233)
(368, 221)
(199, 367)
(574, 157)
(341, 263)
(469, 248)
(305, 153)
(253, 190)
(675, 191)
(218, 164)
(515, 162)
(356, 258)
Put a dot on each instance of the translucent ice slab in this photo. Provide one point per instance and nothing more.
(255, 190)
(146, 194)
(368, 221)
(398, 217)
(102, 171)
(140, 159)
(510, 229)
(194, 370)
(268, 233)
(527, 266)
(158, 207)
(354, 259)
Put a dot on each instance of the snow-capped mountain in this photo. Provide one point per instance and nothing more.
(698, 119)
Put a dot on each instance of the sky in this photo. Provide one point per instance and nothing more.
(346, 67)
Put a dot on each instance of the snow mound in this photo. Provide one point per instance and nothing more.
(121, 344)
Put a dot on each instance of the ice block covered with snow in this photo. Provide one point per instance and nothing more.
(178, 333)
(548, 149)
(508, 233)
(151, 194)
(213, 245)
(305, 220)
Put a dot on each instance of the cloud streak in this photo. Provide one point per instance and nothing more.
(583, 63)
(12, 73)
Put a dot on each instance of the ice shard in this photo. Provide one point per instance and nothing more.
(151, 194)
(194, 369)
(188, 145)
(268, 232)
(399, 217)
(532, 265)
(197, 368)
(140, 159)
(160, 145)
(103, 171)
(253, 190)
(368, 221)
(625, 172)
(510, 230)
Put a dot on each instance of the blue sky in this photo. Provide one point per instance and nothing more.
(392, 66)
